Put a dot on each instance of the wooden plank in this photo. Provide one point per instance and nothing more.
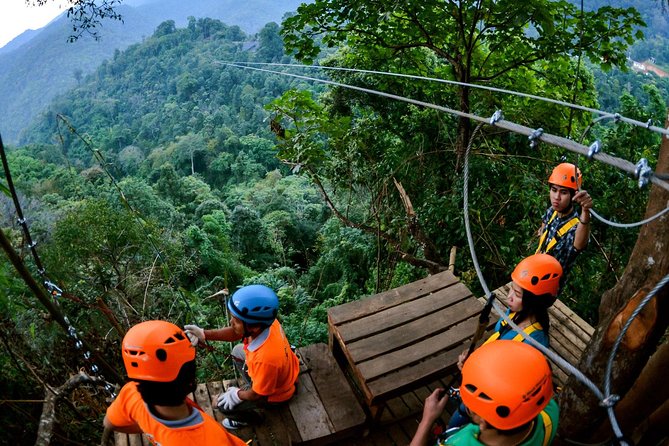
(383, 320)
(419, 374)
(135, 440)
(353, 310)
(430, 325)
(215, 388)
(343, 408)
(569, 328)
(120, 439)
(203, 399)
(416, 352)
(275, 430)
(309, 414)
(582, 324)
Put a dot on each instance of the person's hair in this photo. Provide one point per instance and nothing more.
(171, 393)
(537, 306)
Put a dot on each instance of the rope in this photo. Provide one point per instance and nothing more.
(628, 225)
(634, 122)
(554, 140)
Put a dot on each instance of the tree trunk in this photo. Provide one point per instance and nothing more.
(649, 262)
(52, 397)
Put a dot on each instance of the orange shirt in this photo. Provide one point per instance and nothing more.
(198, 429)
(273, 367)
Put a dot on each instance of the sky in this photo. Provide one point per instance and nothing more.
(16, 16)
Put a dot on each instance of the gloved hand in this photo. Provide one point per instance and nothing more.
(195, 334)
(229, 399)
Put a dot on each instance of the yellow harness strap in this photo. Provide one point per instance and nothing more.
(518, 338)
(548, 427)
(559, 234)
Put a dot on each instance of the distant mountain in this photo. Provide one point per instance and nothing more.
(38, 65)
(19, 40)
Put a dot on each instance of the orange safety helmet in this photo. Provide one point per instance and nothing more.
(507, 383)
(155, 351)
(563, 175)
(538, 274)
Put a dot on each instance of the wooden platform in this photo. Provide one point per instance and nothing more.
(324, 409)
(404, 338)
(433, 317)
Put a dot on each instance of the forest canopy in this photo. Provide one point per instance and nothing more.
(167, 175)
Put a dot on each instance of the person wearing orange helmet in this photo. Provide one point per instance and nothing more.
(507, 389)
(534, 288)
(160, 361)
(563, 232)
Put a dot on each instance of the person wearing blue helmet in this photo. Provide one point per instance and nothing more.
(264, 357)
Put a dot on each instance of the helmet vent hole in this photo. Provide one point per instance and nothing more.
(483, 396)
(161, 354)
(540, 401)
(471, 388)
(256, 309)
(503, 411)
(170, 340)
(546, 277)
(534, 280)
(179, 336)
(134, 364)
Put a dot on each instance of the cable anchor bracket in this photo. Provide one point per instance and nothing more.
(643, 172)
(594, 149)
(535, 136)
(496, 117)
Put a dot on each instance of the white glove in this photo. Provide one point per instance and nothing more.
(229, 399)
(195, 334)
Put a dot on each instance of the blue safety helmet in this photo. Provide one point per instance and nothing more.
(254, 304)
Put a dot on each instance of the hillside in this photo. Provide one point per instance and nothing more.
(38, 65)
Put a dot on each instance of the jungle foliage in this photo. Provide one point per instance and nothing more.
(156, 182)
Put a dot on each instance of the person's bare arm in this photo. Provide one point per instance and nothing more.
(583, 229)
(433, 408)
(222, 334)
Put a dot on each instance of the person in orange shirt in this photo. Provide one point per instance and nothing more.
(160, 361)
(265, 357)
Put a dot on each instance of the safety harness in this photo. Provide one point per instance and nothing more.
(518, 338)
(545, 246)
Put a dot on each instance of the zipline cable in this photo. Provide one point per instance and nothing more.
(646, 125)
(558, 141)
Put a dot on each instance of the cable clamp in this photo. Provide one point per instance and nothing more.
(32, 244)
(649, 123)
(643, 172)
(594, 149)
(453, 392)
(616, 117)
(71, 331)
(21, 221)
(95, 369)
(534, 136)
(53, 289)
(609, 401)
(496, 117)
